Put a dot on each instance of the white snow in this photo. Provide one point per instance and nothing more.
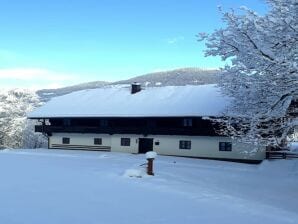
(293, 146)
(56, 186)
(204, 100)
(151, 155)
(134, 173)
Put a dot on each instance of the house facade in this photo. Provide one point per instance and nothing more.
(167, 120)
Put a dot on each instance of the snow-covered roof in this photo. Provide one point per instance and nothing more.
(169, 101)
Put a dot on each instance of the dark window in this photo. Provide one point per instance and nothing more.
(97, 141)
(187, 122)
(66, 122)
(156, 143)
(184, 144)
(104, 123)
(125, 141)
(225, 146)
(65, 140)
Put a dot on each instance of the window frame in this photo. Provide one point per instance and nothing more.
(125, 142)
(225, 146)
(66, 122)
(97, 139)
(187, 122)
(65, 140)
(103, 123)
(185, 144)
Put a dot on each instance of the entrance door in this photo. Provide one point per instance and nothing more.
(145, 145)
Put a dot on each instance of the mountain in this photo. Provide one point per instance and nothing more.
(177, 77)
(47, 94)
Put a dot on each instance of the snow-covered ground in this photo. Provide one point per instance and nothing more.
(56, 186)
(293, 146)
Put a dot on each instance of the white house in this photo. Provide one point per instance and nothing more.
(168, 120)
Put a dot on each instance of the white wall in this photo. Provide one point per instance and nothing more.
(79, 139)
(204, 146)
(201, 146)
(134, 143)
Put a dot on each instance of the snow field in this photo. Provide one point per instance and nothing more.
(56, 186)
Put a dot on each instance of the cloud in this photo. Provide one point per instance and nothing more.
(36, 78)
(34, 73)
(175, 40)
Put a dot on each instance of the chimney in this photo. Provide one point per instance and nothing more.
(135, 87)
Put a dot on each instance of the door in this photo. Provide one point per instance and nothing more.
(145, 145)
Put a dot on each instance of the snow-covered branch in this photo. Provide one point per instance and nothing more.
(263, 77)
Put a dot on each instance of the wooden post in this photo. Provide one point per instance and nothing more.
(150, 166)
(150, 156)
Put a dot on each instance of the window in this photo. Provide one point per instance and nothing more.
(225, 146)
(65, 140)
(104, 123)
(125, 141)
(66, 122)
(187, 122)
(156, 143)
(184, 144)
(97, 141)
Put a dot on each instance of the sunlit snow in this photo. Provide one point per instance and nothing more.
(203, 100)
(56, 186)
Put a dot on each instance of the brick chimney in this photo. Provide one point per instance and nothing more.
(135, 87)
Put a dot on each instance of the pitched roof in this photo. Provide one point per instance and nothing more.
(169, 101)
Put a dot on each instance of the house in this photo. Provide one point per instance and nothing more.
(169, 120)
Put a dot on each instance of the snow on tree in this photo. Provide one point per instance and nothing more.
(32, 139)
(263, 73)
(15, 129)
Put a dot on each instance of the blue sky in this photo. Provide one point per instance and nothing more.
(46, 44)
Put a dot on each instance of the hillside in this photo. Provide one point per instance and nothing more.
(177, 77)
(47, 94)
